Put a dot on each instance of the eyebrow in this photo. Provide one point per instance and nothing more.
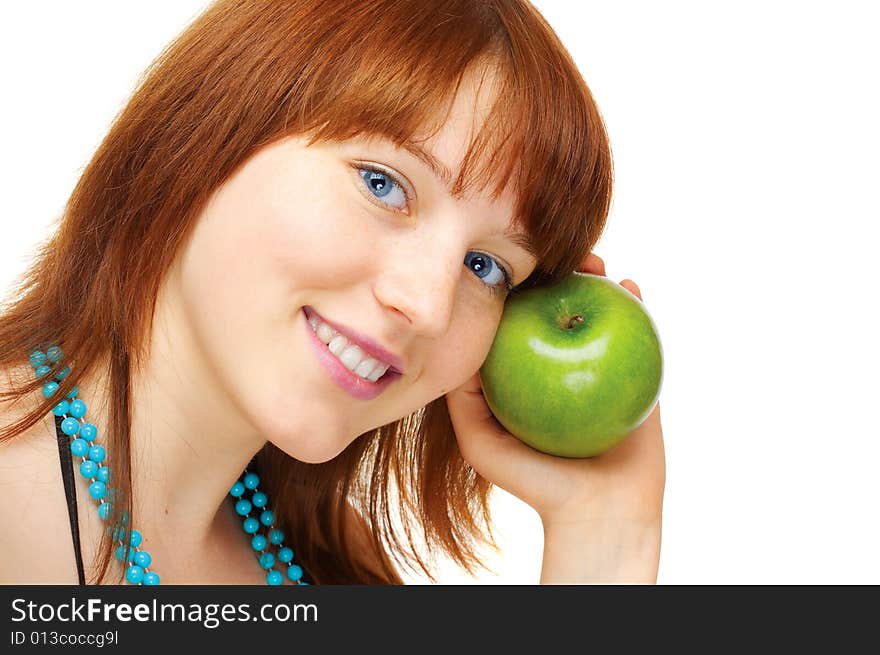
(442, 171)
(523, 241)
(437, 167)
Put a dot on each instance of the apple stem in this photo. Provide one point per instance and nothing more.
(574, 321)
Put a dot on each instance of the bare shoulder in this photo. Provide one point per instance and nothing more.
(33, 510)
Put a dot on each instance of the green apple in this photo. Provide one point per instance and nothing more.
(575, 366)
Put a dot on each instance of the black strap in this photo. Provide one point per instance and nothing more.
(70, 491)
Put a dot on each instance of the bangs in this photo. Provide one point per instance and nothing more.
(542, 132)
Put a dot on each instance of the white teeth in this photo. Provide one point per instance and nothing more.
(351, 356)
(325, 332)
(337, 344)
(378, 372)
(363, 369)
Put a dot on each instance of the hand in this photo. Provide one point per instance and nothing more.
(623, 486)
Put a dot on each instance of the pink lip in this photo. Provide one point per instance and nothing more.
(353, 384)
(366, 344)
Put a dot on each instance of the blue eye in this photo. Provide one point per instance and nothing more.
(381, 184)
(490, 272)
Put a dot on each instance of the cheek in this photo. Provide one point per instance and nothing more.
(230, 265)
(319, 240)
(463, 351)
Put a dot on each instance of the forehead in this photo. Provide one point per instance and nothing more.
(443, 144)
(444, 148)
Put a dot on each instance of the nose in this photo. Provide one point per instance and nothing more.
(421, 288)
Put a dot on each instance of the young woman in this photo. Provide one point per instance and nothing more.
(288, 258)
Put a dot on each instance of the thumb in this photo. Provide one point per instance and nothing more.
(632, 287)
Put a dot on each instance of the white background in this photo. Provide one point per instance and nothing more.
(746, 142)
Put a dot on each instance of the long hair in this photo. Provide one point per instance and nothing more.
(242, 75)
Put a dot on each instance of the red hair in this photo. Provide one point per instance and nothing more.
(244, 74)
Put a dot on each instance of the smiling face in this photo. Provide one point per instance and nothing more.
(369, 238)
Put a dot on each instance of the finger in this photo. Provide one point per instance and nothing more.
(632, 287)
(592, 264)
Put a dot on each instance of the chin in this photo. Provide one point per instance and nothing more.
(311, 437)
(314, 449)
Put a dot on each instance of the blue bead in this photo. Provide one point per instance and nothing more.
(151, 578)
(42, 370)
(118, 533)
(53, 354)
(97, 490)
(63, 373)
(274, 578)
(61, 408)
(276, 536)
(73, 392)
(38, 358)
(294, 572)
(97, 453)
(259, 499)
(79, 447)
(243, 507)
(125, 518)
(251, 525)
(88, 468)
(266, 518)
(142, 558)
(237, 490)
(77, 408)
(88, 431)
(49, 388)
(120, 553)
(251, 480)
(285, 555)
(70, 426)
(258, 542)
(104, 511)
(103, 474)
(267, 560)
(303, 583)
(134, 574)
(136, 538)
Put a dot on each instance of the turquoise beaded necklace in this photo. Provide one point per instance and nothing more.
(139, 561)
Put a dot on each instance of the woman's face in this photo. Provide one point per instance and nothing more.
(328, 228)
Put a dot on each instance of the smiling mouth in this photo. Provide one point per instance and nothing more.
(351, 356)
(354, 384)
(349, 352)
